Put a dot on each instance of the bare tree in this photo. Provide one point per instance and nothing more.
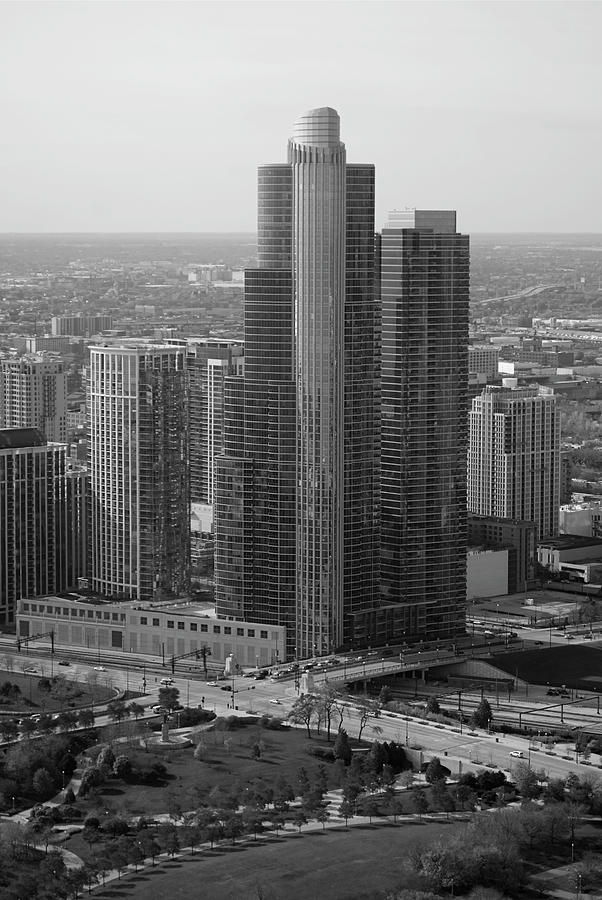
(366, 709)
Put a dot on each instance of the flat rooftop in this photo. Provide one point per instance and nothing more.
(569, 542)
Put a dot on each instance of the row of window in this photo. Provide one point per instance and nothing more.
(216, 629)
(40, 608)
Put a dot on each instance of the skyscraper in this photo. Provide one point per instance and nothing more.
(424, 296)
(296, 524)
(33, 394)
(514, 456)
(138, 462)
(42, 504)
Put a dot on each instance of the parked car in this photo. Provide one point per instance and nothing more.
(517, 753)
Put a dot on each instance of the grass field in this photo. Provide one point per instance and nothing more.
(338, 864)
(30, 698)
(228, 762)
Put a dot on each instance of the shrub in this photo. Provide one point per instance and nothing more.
(325, 753)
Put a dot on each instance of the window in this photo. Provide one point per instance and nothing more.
(155, 622)
(107, 616)
(65, 611)
(263, 634)
(170, 623)
(114, 617)
(26, 607)
(217, 629)
(193, 626)
(90, 614)
(203, 628)
(227, 630)
(143, 620)
(240, 632)
(181, 626)
(34, 607)
(251, 632)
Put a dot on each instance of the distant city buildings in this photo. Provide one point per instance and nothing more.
(33, 394)
(514, 456)
(42, 515)
(139, 476)
(424, 290)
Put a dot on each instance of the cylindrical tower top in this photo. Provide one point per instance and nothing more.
(318, 128)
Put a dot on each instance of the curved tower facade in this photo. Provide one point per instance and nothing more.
(296, 532)
(317, 159)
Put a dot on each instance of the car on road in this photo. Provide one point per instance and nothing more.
(275, 700)
(64, 662)
(99, 669)
(588, 637)
(212, 684)
(166, 681)
(517, 753)
(569, 637)
(158, 709)
(225, 687)
(553, 692)
(248, 675)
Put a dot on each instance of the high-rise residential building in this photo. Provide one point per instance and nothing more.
(42, 513)
(80, 326)
(138, 465)
(209, 361)
(514, 456)
(33, 394)
(424, 296)
(296, 498)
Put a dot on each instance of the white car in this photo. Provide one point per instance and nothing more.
(166, 681)
(99, 669)
(274, 700)
(517, 753)
(212, 684)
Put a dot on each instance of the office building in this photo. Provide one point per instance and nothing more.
(33, 394)
(518, 537)
(483, 359)
(296, 497)
(42, 511)
(138, 464)
(514, 456)
(424, 296)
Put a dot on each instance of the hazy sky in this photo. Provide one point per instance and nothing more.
(137, 116)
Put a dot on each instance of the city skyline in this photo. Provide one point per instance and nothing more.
(481, 107)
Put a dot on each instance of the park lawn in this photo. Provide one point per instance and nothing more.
(228, 762)
(336, 863)
(31, 699)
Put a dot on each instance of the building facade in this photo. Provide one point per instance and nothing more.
(156, 630)
(42, 516)
(33, 394)
(139, 477)
(80, 326)
(296, 502)
(519, 537)
(424, 296)
(514, 456)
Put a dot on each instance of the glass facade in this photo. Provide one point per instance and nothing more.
(425, 295)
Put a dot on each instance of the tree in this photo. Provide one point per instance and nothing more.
(91, 835)
(371, 809)
(395, 807)
(122, 767)
(328, 697)
(432, 706)
(342, 747)
(299, 819)
(67, 720)
(526, 781)
(482, 715)
(169, 697)
(8, 729)
(303, 711)
(435, 771)
(42, 783)
(117, 710)
(136, 710)
(366, 709)
(85, 717)
(419, 801)
(134, 853)
(385, 696)
(322, 815)
(28, 726)
(346, 811)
